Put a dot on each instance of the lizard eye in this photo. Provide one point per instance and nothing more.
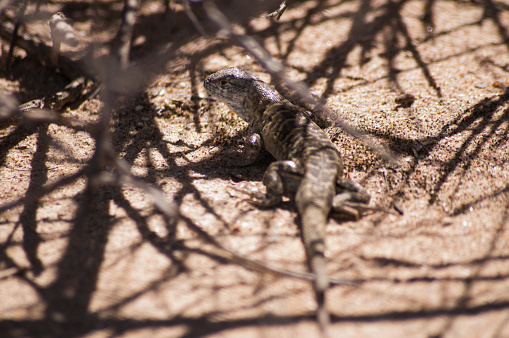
(223, 83)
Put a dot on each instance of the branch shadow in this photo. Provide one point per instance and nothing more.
(479, 118)
(28, 217)
(485, 122)
(68, 297)
(478, 266)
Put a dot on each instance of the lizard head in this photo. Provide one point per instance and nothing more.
(243, 92)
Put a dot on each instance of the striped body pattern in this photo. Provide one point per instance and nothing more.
(308, 166)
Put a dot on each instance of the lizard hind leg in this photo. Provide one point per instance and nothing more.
(340, 205)
(355, 191)
(280, 179)
(350, 199)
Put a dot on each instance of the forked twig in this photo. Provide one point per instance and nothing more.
(190, 14)
(168, 208)
(277, 13)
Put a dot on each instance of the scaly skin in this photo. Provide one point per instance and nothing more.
(308, 166)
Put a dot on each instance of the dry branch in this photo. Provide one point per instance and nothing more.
(37, 111)
(277, 13)
(276, 69)
(121, 44)
(15, 29)
(75, 90)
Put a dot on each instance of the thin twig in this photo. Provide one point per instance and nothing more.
(14, 35)
(276, 69)
(232, 257)
(236, 258)
(116, 66)
(121, 44)
(277, 13)
(190, 14)
(168, 208)
(45, 116)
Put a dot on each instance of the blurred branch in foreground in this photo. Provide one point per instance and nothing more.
(276, 69)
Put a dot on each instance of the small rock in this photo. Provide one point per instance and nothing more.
(405, 100)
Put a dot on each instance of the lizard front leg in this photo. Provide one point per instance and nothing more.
(252, 149)
(250, 153)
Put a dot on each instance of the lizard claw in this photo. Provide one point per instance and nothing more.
(345, 209)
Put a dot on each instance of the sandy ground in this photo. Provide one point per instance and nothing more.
(114, 269)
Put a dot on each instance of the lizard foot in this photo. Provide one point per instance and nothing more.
(346, 203)
(264, 201)
(259, 199)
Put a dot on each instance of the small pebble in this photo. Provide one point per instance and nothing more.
(405, 100)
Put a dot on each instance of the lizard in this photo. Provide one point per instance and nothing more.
(308, 165)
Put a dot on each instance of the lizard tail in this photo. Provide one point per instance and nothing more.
(313, 230)
(321, 284)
